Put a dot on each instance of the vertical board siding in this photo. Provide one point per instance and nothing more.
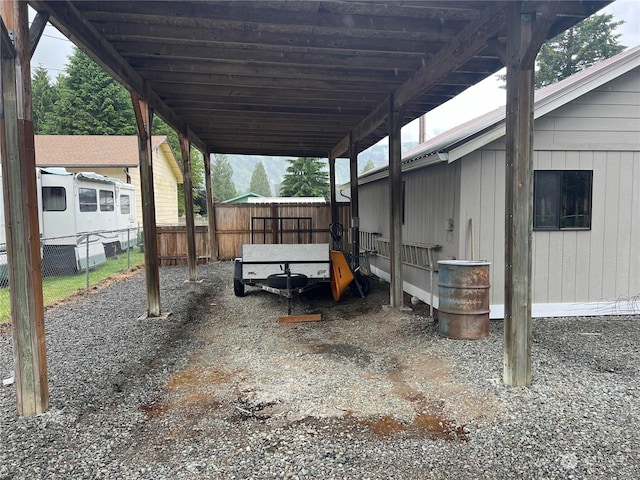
(598, 131)
(571, 266)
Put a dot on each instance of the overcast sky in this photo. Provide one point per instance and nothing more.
(54, 50)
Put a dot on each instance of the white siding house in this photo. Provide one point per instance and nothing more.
(586, 238)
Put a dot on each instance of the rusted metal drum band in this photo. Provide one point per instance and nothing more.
(464, 299)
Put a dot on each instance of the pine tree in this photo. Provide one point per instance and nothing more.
(89, 102)
(305, 177)
(44, 97)
(368, 166)
(577, 48)
(260, 181)
(221, 179)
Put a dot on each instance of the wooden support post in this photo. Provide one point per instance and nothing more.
(185, 148)
(518, 197)
(355, 208)
(332, 185)
(211, 213)
(144, 120)
(395, 199)
(21, 213)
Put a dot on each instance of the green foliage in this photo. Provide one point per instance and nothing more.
(583, 45)
(579, 47)
(260, 181)
(44, 96)
(368, 166)
(305, 177)
(89, 102)
(221, 179)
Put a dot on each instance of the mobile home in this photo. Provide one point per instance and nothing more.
(84, 218)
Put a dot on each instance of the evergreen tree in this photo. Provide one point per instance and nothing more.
(305, 177)
(44, 97)
(260, 181)
(89, 102)
(368, 166)
(577, 48)
(583, 45)
(221, 179)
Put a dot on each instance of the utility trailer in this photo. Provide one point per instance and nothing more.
(285, 270)
(289, 269)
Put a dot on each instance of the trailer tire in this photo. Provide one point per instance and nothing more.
(238, 288)
(279, 280)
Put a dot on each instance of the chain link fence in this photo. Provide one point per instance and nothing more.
(75, 263)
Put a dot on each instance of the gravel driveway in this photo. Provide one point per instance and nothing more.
(221, 390)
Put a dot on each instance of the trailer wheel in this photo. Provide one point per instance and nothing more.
(279, 280)
(238, 288)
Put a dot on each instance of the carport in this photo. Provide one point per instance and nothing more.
(294, 78)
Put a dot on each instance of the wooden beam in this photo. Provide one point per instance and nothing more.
(71, 23)
(355, 203)
(211, 213)
(395, 205)
(500, 49)
(8, 50)
(469, 41)
(332, 186)
(185, 149)
(21, 215)
(273, 55)
(518, 197)
(36, 30)
(144, 120)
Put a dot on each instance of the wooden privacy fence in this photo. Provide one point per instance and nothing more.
(233, 223)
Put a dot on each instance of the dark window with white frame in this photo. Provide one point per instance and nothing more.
(562, 199)
(125, 204)
(88, 200)
(54, 199)
(106, 201)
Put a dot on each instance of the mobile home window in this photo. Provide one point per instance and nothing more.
(88, 200)
(54, 199)
(106, 201)
(562, 199)
(125, 204)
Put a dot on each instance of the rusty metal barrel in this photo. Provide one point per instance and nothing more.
(463, 311)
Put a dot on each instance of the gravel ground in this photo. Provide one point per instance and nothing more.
(221, 390)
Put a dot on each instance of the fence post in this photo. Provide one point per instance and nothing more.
(128, 248)
(87, 260)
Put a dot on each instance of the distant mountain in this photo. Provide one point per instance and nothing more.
(276, 167)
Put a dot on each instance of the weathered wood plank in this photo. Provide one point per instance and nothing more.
(395, 207)
(313, 317)
(518, 201)
(21, 215)
(185, 149)
(144, 119)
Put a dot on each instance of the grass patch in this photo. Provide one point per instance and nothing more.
(55, 289)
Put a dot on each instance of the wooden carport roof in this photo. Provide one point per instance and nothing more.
(277, 78)
(295, 77)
